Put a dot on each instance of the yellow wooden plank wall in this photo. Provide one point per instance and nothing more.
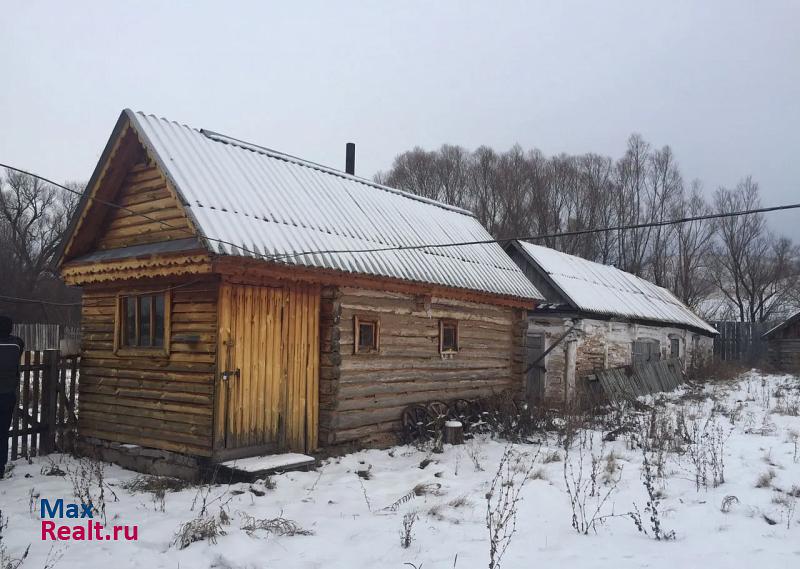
(271, 335)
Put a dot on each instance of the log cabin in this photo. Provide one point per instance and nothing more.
(596, 317)
(783, 344)
(240, 302)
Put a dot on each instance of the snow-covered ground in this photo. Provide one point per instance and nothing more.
(356, 520)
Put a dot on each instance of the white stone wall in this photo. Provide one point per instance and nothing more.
(598, 344)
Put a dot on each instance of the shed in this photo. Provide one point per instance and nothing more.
(596, 317)
(239, 301)
(783, 344)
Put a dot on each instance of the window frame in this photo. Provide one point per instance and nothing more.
(672, 343)
(650, 343)
(120, 323)
(448, 322)
(376, 335)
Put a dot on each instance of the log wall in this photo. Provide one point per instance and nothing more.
(157, 400)
(362, 395)
(144, 191)
(783, 348)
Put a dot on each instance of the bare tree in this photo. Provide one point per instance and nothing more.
(691, 281)
(752, 268)
(33, 220)
(630, 206)
(524, 193)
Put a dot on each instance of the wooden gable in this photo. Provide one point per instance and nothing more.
(129, 201)
(151, 211)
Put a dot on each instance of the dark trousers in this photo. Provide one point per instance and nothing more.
(7, 403)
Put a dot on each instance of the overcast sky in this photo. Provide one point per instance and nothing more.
(717, 81)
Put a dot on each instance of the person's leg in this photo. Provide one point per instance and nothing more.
(7, 402)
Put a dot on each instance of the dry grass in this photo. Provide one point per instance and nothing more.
(155, 484)
(550, 457)
(274, 526)
(198, 529)
(765, 479)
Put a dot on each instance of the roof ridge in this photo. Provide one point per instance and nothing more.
(225, 139)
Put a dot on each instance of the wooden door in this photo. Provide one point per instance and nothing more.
(268, 369)
(534, 381)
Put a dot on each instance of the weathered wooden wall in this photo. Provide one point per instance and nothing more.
(144, 191)
(362, 395)
(783, 348)
(784, 353)
(741, 341)
(159, 401)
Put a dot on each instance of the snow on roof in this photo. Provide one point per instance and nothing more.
(602, 289)
(275, 204)
(793, 318)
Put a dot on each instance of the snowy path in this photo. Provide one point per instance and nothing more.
(352, 528)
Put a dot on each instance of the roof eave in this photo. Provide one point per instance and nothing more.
(83, 203)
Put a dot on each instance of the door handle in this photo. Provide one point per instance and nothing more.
(227, 374)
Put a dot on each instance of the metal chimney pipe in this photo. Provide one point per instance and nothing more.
(350, 158)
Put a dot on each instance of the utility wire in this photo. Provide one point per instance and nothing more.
(283, 256)
(123, 208)
(547, 235)
(35, 301)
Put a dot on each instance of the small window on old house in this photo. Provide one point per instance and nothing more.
(142, 321)
(448, 336)
(674, 348)
(367, 334)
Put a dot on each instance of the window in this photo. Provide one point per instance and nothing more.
(142, 321)
(448, 336)
(367, 335)
(646, 351)
(674, 348)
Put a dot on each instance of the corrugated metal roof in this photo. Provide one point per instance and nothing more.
(793, 318)
(274, 204)
(593, 287)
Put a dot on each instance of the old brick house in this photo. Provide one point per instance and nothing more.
(597, 317)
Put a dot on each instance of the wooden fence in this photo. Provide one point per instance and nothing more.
(45, 417)
(39, 336)
(633, 381)
(740, 341)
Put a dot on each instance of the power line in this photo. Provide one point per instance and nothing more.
(136, 294)
(547, 235)
(123, 208)
(35, 301)
(284, 256)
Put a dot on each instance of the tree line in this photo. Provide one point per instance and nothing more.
(34, 217)
(729, 268)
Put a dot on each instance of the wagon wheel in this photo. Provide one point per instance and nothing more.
(415, 423)
(438, 412)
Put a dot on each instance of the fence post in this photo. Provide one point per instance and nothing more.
(47, 442)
